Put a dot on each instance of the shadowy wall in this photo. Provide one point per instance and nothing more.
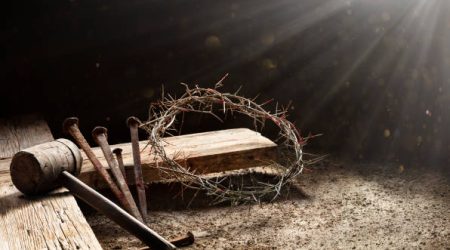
(371, 76)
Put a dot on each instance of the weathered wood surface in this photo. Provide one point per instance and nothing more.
(203, 153)
(22, 132)
(53, 221)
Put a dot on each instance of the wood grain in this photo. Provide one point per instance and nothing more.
(22, 132)
(203, 153)
(53, 221)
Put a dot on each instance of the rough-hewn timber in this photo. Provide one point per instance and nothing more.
(203, 153)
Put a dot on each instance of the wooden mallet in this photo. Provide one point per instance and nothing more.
(45, 167)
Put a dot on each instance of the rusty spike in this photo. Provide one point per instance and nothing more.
(133, 124)
(70, 126)
(118, 153)
(100, 135)
(184, 241)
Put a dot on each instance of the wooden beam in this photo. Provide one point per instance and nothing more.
(203, 153)
(53, 221)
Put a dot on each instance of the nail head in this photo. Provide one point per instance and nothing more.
(132, 120)
(69, 122)
(99, 130)
(117, 151)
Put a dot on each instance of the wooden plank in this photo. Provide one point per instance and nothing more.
(203, 153)
(22, 132)
(53, 221)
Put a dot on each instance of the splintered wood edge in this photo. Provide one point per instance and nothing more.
(204, 153)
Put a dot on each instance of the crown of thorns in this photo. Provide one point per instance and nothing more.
(164, 114)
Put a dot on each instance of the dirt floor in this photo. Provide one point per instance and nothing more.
(334, 206)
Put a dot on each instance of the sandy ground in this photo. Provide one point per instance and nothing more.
(335, 206)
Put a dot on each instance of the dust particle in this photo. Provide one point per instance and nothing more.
(387, 133)
(213, 42)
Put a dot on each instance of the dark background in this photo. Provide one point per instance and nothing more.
(372, 76)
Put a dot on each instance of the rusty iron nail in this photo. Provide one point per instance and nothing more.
(70, 126)
(118, 153)
(100, 135)
(133, 124)
(184, 241)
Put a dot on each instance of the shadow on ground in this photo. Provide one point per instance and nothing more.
(175, 196)
(336, 205)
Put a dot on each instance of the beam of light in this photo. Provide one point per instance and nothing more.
(423, 20)
(416, 21)
(328, 91)
(414, 32)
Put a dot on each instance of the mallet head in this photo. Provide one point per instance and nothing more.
(37, 169)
